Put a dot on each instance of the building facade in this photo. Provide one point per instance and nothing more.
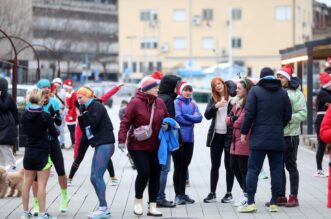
(169, 35)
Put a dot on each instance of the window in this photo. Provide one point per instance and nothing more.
(134, 67)
(150, 66)
(236, 14)
(179, 15)
(236, 42)
(148, 15)
(208, 43)
(207, 14)
(283, 13)
(125, 66)
(141, 67)
(179, 43)
(149, 43)
(159, 66)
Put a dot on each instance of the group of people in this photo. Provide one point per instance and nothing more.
(248, 122)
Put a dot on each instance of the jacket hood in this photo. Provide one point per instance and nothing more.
(148, 98)
(270, 84)
(184, 99)
(168, 84)
(33, 112)
(3, 85)
(294, 83)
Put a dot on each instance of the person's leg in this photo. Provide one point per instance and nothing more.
(29, 177)
(154, 177)
(234, 162)
(140, 159)
(58, 162)
(7, 154)
(255, 162)
(320, 149)
(216, 150)
(78, 136)
(229, 173)
(42, 182)
(83, 146)
(71, 128)
(276, 169)
(110, 168)
(161, 197)
(100, 161)
(177, 157)
(188, 153)
(242, 165)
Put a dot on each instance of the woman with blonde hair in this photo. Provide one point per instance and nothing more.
(37, 125)
(217, 110)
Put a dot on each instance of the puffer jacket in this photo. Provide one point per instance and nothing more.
(8, 116)
(137, 114)
(187, 114)
(325, 131)
(237, 147)
(299, 108)
(267, 112)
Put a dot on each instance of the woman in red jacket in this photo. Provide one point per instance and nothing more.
(144, 153)
(325, 131)
(239, 150)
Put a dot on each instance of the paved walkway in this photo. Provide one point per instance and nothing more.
(312, 193)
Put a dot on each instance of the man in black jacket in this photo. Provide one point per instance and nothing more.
(168, 94)
(267, 112)
(8, 122)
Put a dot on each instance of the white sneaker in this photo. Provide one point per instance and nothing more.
(242, 201)
(69, 182)
(100, 214)
(321, 173)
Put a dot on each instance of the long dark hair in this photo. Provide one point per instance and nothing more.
(247, 84)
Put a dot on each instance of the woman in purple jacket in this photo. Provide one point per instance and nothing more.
(239, 150)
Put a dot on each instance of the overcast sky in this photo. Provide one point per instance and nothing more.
(328, 2)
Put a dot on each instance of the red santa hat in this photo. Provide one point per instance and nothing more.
(157, 75)
(182, 85)
(67, 84)
(325, 80)
(286, 71)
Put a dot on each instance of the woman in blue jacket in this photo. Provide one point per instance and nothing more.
(187, 114)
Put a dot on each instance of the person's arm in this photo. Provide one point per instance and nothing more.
(325, 130)
(287, 115)
(51, 128)
(126, 122)
(250, 112)
(93, 116)
(110, 93)
(299, 113)
(179, 115)
(211, 109)
(14, 111)
(196, 117)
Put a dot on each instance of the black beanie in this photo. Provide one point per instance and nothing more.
(266, 72)
(3, 85)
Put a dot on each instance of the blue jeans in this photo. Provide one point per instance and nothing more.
(255, 163)
(101, 157)
(163, 179)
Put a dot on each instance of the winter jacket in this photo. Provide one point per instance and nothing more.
(8, 116)
(325, 130)
(37, 126)
(267, 112)
(299, 108)
(137, 114)
(168, 140)
(237, 147)
(322, 101)
(167, 92)
(96, 125)
(71, 116)
(187, 114)
(210, 113)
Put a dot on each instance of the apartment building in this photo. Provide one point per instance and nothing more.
(82, 33)
(194, 34)
(322, 20)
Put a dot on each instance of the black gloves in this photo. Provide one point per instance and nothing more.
(233, 117)
(51, 111)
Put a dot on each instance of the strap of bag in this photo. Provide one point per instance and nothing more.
(152, 114)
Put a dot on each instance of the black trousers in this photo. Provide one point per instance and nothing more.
(72, 133)
(239, 168)
(216, 149)
(83, 146)
(149, 169)
(320, 149)
(182, 159)
(290, 162)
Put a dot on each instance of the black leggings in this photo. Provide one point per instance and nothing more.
(57, 157)
(182, 159)
(239, 168)
(216, 150)
(149, 169)
(83, 146)
(320, 149)
(72, 133)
